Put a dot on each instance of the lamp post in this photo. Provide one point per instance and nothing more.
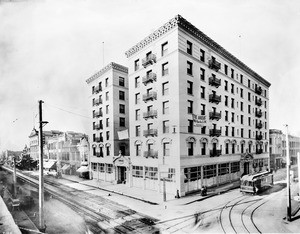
(288, 217)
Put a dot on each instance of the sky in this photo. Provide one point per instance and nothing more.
(49, 48)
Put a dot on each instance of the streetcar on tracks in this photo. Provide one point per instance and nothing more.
(258, 182)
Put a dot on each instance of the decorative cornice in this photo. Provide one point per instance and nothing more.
(111, 65)
(182, 23)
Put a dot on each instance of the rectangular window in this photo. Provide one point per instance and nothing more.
(106, 96)
(249, 121)
(165, 88)
(202, 74)
(226, 85)
(232, 132)
(202, 94)
(203, 130)
(242, 106)
(249, 109)
(136, 65)
(107, 109)
(226, 69)
(138, 130)
(137, 98)
(232, 73)
(164, 69)
(165, 107)
(121, 95)
(226, 130)
(106, 82)
(137, 151)
(190, 107)
(249, 96)
(232, 117)
(166, 149)
(226, 115)
(189, 68)
(107, 135)
(232, 88)
(190, 126)
(232, 102)
(226, 100)
(137, 114)
(121, 81)
(189, 47)
(242, 119)
(242, 134)
(202, 55)
(241, 78)
(249, 83)
(137, 82)
(241, 93)
(122, 108)
(190, 87)
(107, 151)
(202, 109)
(107, 122)
(164, 49)
(190, 148)
(166, 126)
(122, 122)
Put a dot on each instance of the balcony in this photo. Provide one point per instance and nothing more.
(150, 132)
(213, 81)
(215, 132)
(97, 102)
(150, 59)
(214, 98)
(259, 137)
(150, 96)
(150, 114)
(213, 64)
(98, 126)
(97, 89)
(151, 153)
(151, 77)
(259, 125)
(258, 101)
(258, 113)
(98, 139)
(215, 153)
(214, 115)
(259, 151)
(258, 90)
(97, 114)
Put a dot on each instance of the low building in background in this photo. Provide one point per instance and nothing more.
(68, 150)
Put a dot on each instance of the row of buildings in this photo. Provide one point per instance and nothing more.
(66, 150)
(184, 112)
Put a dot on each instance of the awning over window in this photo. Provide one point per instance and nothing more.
(82, 169)
(49, 165)
(66, 167)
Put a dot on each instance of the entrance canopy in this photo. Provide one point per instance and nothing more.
(82, 169)
(49, 165)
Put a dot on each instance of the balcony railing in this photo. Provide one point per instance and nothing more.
(215, 98)
(214, 81)
(151, 77)
(98, 139)
(214, 115)
(150, 132)
(213, 64)
(258, 137)
(258, 101)
(259, 151)
(150, 114)
(258, 90)
(150, 59)
(215, 132)
(215, 153)
(97, 89)
(150, 96)
(258, 125)
(151, 153)
(98, 126)
(97, 114)
(258, 113)
(98, 101)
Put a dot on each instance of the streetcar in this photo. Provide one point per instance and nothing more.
(255, 183)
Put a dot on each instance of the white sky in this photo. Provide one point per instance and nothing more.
(49, 48)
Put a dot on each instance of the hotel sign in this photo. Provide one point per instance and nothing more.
(199, 120)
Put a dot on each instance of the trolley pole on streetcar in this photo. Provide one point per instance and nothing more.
(288, 188)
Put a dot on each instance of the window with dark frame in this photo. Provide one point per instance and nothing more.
(189, 68)
(189, 47)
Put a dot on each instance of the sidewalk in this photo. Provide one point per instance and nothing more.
(7, 222)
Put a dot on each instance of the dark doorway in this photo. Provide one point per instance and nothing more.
(246, 168)
(121, 175)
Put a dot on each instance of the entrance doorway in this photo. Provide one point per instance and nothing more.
(121, 175)
(246, 168)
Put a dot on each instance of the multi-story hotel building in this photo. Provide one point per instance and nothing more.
(110, 112)
(178, 76)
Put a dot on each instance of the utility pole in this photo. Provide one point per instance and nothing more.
(288, 188)
(41, 173)
(15, 177)
(298, 161)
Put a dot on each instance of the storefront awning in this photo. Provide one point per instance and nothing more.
(82, 169)
(66, 167)
(49, 165)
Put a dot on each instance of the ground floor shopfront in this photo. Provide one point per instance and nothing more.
(181, 181)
